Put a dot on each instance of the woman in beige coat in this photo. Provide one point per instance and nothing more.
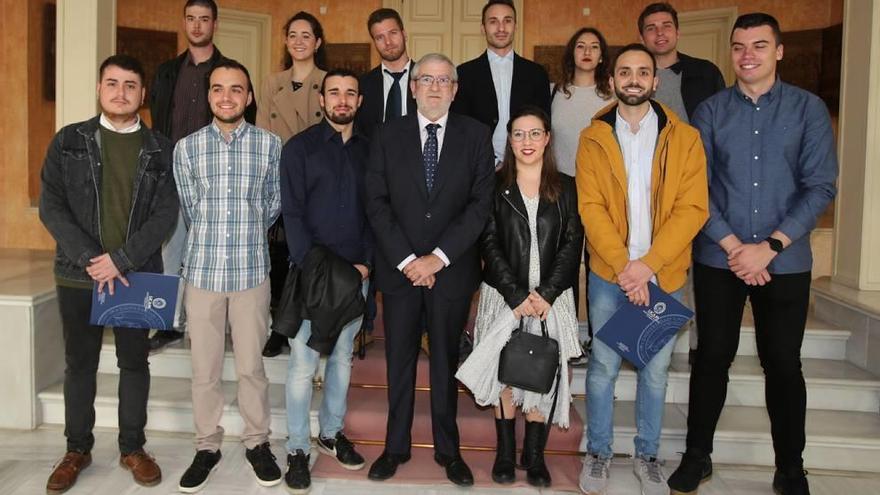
(289, 100)
(288, 105)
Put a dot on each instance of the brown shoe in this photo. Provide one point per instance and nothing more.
(64, 475)
(143, 468)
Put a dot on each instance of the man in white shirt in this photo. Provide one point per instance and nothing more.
(386, 88)
(428, 196)
(488, 90)
(642, 195)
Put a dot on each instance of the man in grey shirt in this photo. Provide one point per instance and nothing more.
(684, 81)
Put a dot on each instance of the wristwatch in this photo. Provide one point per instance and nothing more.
(775, 244)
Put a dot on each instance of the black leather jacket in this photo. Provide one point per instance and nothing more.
(324, 289)
(506, 244)
(70, 202)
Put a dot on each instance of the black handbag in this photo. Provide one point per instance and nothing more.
(528, 361)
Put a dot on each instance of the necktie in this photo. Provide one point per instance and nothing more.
(392, 103)
(430, 154)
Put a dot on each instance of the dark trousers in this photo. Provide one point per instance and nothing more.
(403, 331)
(780, 313)
(82, 349)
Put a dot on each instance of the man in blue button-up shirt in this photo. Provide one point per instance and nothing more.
(772, 169)
(322, 199)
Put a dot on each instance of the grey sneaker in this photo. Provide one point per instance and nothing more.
(594, 475)
(650, 474)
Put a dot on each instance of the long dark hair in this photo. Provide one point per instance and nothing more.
(603, 69)
(317, 30)
(551, 185)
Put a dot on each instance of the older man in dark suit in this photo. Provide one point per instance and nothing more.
(499, 81)
(428, 188)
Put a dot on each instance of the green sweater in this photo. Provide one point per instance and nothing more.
(119, 162)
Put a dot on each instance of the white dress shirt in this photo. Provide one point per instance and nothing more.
(638, 157)
(502, 79)
(106, 124)
(423, 135)
(387, 81)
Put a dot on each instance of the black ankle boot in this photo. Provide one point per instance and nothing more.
(533, 452)
(503, 470)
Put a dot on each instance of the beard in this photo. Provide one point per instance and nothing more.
(339, 119)
(633, 100)
(393, 55)
(230, 120)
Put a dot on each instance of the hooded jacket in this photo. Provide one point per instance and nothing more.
(679, 197)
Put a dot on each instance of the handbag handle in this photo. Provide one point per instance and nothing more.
(522, 322)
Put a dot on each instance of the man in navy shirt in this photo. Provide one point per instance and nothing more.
(322, 198)
(772, 169)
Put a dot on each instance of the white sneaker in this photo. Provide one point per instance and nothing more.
(650, 474)
(594, 475)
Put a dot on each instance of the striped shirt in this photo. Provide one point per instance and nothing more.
(229, 196)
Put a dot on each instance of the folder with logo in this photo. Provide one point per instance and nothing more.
(149, 302)
(638, 333)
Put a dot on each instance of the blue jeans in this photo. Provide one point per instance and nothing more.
(602, 369)
(301, 368)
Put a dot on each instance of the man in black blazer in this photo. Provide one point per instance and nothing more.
(428, 195)
(386, 88)
(499, 81)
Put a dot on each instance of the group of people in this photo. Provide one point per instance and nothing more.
(428, 182)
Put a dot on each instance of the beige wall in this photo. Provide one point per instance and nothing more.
(555, 25)
(19, 226)
(29, 123)
(344, 22)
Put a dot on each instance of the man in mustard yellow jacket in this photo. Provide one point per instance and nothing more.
(643, 196)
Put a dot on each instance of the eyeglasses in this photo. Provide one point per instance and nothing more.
(533, 134)
(428, 80)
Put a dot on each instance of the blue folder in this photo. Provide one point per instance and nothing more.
(149, 302)
(638, 333)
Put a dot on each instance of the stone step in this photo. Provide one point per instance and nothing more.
(836, 440)
(822, 340)
(831, 384)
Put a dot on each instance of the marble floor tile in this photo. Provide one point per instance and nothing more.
(27, 458)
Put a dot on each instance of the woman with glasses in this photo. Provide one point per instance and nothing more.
(289, 104)
(531, 247)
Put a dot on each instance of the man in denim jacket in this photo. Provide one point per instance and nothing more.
(109, 200)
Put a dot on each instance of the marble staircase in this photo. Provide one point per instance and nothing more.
(843, 419)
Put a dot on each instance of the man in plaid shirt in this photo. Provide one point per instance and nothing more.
(227, 178)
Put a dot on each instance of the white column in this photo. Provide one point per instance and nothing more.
(85, 36)
(857, 215)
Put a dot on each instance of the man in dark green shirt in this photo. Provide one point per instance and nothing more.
(109, 200)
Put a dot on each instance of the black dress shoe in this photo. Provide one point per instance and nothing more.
(456, 470)
(386, 465)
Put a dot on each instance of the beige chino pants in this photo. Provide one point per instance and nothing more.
(247, 313)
